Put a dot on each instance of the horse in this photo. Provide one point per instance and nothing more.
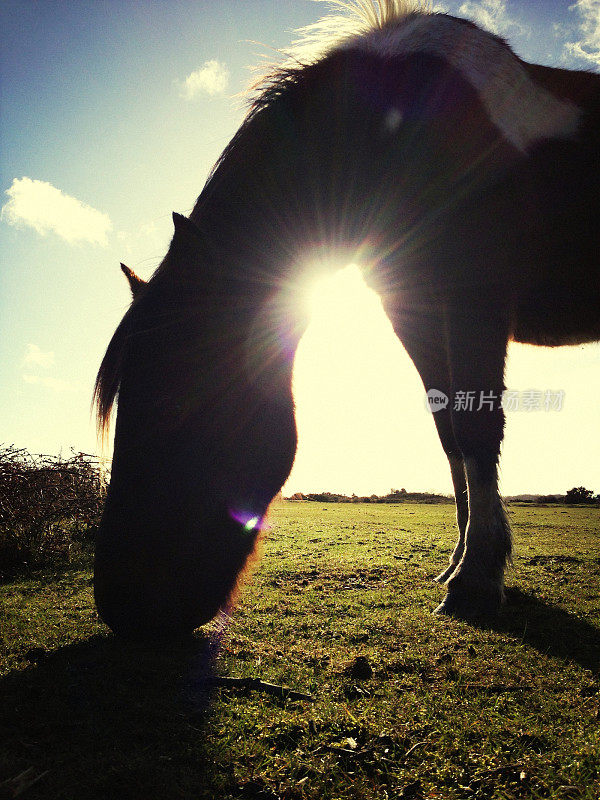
(464, 182)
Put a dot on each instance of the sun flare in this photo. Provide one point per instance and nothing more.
(330, 293)
(358, 397)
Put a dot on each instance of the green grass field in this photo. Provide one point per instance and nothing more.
(404, 704)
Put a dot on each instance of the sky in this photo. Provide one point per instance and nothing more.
(112, 113)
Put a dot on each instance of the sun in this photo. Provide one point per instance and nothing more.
(336, 294)
(358, 398)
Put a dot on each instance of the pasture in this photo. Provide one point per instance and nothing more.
(403, 704)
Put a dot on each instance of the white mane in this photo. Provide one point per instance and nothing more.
(347, 20)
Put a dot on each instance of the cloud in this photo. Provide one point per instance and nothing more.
(588, 46)
(491, 15)
(55, 384)
(43, 207)
(212, 78)
(34, 355)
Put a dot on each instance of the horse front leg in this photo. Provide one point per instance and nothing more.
(477, 349)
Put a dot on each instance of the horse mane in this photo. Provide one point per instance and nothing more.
(348, 19)
(108, 380)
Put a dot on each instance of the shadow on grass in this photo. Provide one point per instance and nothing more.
(550, 629)
(103, 718)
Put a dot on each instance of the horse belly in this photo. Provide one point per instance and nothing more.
(558, 315)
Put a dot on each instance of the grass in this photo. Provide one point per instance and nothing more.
(405, 705)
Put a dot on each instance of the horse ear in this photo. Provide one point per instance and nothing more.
(187, 248)
(186, 232)
(135, 283)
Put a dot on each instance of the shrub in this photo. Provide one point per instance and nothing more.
(49, 508)
(579, 494)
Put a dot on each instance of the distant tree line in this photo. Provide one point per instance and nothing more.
(394, 496)
(577, 495)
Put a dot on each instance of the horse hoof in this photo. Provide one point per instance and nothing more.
(469, 610)
(443, 610)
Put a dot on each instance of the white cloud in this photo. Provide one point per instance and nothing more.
(212, 78)
(588, 46)
(55, 384)
(34, 355)
(491, 15)
(43, 207)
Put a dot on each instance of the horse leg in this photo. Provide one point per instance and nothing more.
(459, 482)
(477, 343)
(431, 360)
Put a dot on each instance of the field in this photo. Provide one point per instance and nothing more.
(402, 704)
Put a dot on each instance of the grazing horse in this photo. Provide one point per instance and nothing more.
(463, 180)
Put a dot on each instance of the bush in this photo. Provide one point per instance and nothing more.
(579, 494)
(49, 508)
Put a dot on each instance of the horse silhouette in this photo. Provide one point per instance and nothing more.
(463, 180)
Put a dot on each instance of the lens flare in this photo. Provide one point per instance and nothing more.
(249, 523)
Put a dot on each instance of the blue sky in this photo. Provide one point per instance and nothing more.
(112, 114)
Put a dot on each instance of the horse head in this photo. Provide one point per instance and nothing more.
(204, 439)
